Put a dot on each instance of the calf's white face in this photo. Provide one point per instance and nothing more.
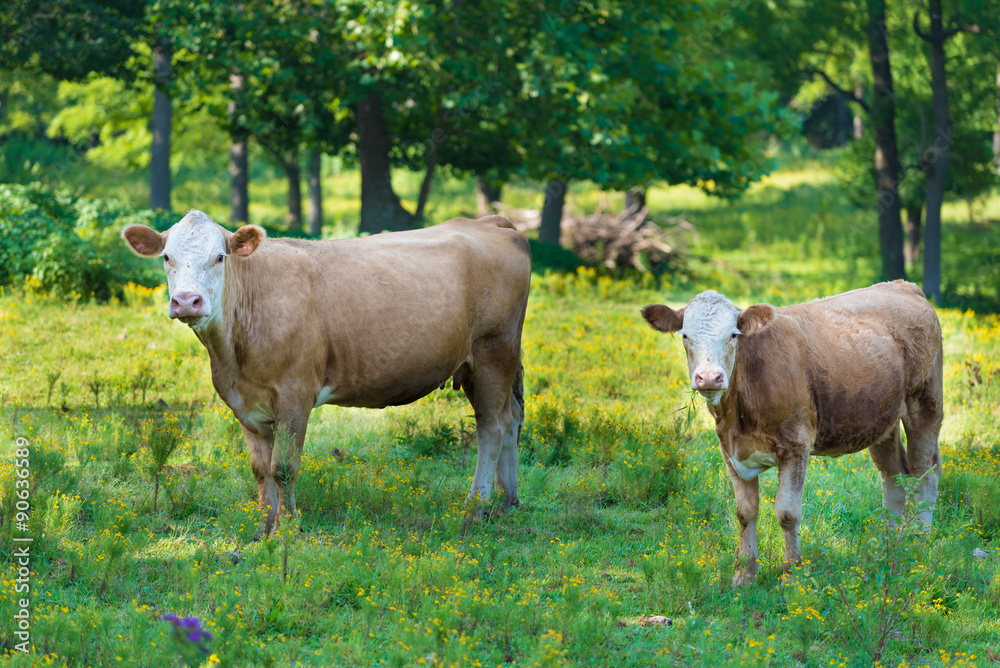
(194, 255)
(710, 326)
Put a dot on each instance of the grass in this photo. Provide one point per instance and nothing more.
(626, 510)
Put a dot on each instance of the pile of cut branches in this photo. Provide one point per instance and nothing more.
(628, 238)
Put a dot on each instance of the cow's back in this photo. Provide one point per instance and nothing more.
(384, 319)
(845, 363)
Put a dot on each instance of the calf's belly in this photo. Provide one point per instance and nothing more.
(848, 426)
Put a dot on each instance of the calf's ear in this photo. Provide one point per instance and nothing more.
(755, 318)
(246, 240)
(663, 318)
(144, 241)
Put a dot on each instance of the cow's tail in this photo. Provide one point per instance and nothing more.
(517, 392)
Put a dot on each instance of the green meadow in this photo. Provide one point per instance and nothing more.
(143, 502)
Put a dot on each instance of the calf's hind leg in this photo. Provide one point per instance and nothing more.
(890, 459)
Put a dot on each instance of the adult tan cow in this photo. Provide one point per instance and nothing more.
(830, 377)
(379, 321)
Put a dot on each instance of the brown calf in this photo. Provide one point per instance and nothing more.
(829, 378)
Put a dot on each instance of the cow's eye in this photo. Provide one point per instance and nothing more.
(684, 337)
(732, 337)
(220, 258)
(166, 258)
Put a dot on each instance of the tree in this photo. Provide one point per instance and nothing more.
(821, 43)
(159, 159)
(281, 66)
(76, 39)
(683, 118)
(887, 166)
(936, 160)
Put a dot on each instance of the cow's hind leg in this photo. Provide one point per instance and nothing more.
(494, 369)
(890, 459)
(506, 476)
(747, 509)
(922, 423)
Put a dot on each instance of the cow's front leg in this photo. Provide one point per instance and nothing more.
(275, 458)
(286, 457)
(788, 505)
(747, 508)
(260, 446)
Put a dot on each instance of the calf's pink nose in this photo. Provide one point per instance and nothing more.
(185, 304)
(708, 380)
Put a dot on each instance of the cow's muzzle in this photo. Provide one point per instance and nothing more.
(186, 305)
(709, 380)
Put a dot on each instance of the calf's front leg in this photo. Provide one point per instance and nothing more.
(747, 508)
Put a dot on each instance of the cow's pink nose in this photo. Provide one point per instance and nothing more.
(708, 380)
(185, 304)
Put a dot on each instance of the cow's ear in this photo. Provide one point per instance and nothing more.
(246, 240)
(755, 318)
(144, 241)
(663, 318)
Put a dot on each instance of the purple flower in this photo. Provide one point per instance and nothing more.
(189, 628)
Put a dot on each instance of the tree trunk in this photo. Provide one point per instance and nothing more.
(859, 122)
(887, 168)
(425, 188)
(239, 202)
(911, 246)
(159, 153)
(996, 135)
(635, 199)
(935, 159)
(437, 137)
(380, 208)
(315, 211)
(552, 210)
(487, 193)
(290, 163)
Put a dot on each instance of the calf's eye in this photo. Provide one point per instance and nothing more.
(220, 259)
(166, 258)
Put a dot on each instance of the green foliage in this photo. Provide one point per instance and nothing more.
(70, 247)
(73, 41)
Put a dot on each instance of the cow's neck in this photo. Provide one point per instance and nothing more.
(729, 408)
(217, 339)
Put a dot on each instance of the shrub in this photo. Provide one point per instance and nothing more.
(71, 247)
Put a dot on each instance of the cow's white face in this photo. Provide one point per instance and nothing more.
(710, 326)
(194, 255)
